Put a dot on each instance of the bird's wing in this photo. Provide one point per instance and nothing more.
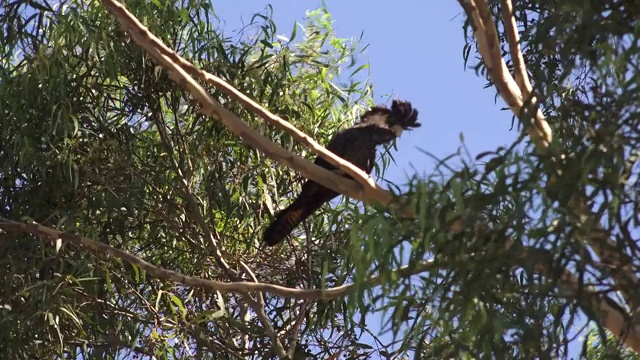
(339, 145)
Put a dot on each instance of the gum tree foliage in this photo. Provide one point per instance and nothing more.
(596, 348)
(96, 140)
(481, 300)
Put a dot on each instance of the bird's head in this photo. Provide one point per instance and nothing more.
(402, 116)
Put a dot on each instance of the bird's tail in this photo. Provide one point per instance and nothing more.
(287, 219)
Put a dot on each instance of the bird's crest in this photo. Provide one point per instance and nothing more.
(401, 116)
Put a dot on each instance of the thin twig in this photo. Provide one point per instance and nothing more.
(297, 324)
(268, 327)
(258, 308)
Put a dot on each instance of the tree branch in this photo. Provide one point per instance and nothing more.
(603, 247)
(113, 343)
(485, 33)
(513, 38)
(515, 95)
(486, 36)
(365, 189)
(611, 316)
(170, 275)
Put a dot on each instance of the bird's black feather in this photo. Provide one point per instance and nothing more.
(357, 145)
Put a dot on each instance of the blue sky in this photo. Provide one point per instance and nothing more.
(415, 52)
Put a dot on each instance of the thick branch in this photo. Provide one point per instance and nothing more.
(486, 36)
(513, 38)
(368, 191)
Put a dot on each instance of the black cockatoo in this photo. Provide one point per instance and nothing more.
(357, 145)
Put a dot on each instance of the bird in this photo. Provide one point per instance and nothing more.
(357, 145)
